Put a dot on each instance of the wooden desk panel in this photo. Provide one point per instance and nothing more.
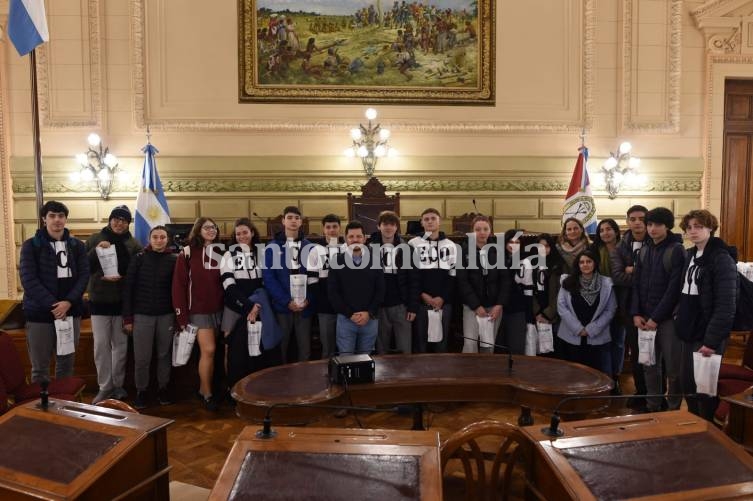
(671, 455)
(332, 464)
(537, 382)
(740, 423)
(78, 451)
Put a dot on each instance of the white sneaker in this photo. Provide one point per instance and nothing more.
(102, 395)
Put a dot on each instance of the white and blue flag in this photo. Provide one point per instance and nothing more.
(27, 25)
(151, 205)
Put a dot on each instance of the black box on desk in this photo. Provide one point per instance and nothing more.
(351, 369)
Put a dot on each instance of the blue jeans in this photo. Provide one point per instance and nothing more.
(352, 338)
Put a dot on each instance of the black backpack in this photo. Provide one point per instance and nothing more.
(744, 310)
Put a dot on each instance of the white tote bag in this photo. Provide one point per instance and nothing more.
(183, 345)
(435, 326)
(646, 347)
(532, 340)
(706, 372)
(108, 259)
(254, 338)
(485, 331)
(64, 333)
(298, 288)
(546, 337)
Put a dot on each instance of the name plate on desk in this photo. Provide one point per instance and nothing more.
(333, 465)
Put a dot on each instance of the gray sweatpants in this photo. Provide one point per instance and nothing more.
(392, 319)
(667, 347)
(302, 326)
(145, 329)
(41, 342)
(110, 351)
(327, 333)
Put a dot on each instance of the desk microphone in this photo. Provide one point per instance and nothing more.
(507, 350)
(267, 432)
(44, 395)
(478, 212)
(554, 431)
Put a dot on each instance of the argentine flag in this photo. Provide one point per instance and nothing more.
(151, 205)
(27, 25)
(579, 202)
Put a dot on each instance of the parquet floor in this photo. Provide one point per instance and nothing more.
(199, 441)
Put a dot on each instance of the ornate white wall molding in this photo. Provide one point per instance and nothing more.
(630, 121)
(48, 116)
(8, 287)
(142, 118)
(727, 25)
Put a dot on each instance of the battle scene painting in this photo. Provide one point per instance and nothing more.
(389, 51)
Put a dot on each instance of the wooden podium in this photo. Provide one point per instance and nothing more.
(332, 464)
(740, 424)
(668, 456)
(82, 452)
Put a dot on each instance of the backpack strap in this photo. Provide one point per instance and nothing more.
(666, 258)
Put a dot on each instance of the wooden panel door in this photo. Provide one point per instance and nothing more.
(737, 175)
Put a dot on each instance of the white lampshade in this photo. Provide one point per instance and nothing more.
(110, 160)
(634, 162)
(362, 151)
(355, 134)
(371, 113)
(610, 163)
(93, 139)
(625, 148)
(384, 134)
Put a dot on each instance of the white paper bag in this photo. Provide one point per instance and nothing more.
(485, 332)
(108, 259)
(546, 337)
(532, 340)
(298, 288)
(254, 338)
(64, 334)
(646, 347)
(183, 345)
(706, 372)
(435, 326)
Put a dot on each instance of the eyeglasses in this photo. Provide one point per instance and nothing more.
(209, 227)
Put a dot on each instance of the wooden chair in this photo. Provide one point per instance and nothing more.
(111, 403)
(462, 224)
(479, 460)
(734, 379)
(373, 200)
(274, 226)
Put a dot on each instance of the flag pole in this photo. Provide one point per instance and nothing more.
(38, 187)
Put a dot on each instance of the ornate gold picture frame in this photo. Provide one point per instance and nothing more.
(366, 51)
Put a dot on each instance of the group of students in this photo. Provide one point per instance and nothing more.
(380, 293)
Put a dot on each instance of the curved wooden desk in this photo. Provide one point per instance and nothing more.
(535, 382)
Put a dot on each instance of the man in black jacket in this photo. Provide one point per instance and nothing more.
(395, 256)
(356, 290)
(707, 305)
(656, 290)
(54, 271)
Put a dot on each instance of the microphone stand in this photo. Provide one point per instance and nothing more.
(554, 431)
(507, 350)
(267, 432)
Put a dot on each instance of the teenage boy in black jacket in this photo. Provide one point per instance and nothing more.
(656, 290)
(356, 290)
(394, 315)
(707, 302)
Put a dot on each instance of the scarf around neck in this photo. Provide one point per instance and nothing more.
(590, 288)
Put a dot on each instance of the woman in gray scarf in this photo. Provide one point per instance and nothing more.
(586, 305)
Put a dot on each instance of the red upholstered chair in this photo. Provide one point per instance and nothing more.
(734, 379)
(15, 390)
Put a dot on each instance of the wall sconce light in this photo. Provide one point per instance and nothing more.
(98, 165)
(620, 170)
(370, 143)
